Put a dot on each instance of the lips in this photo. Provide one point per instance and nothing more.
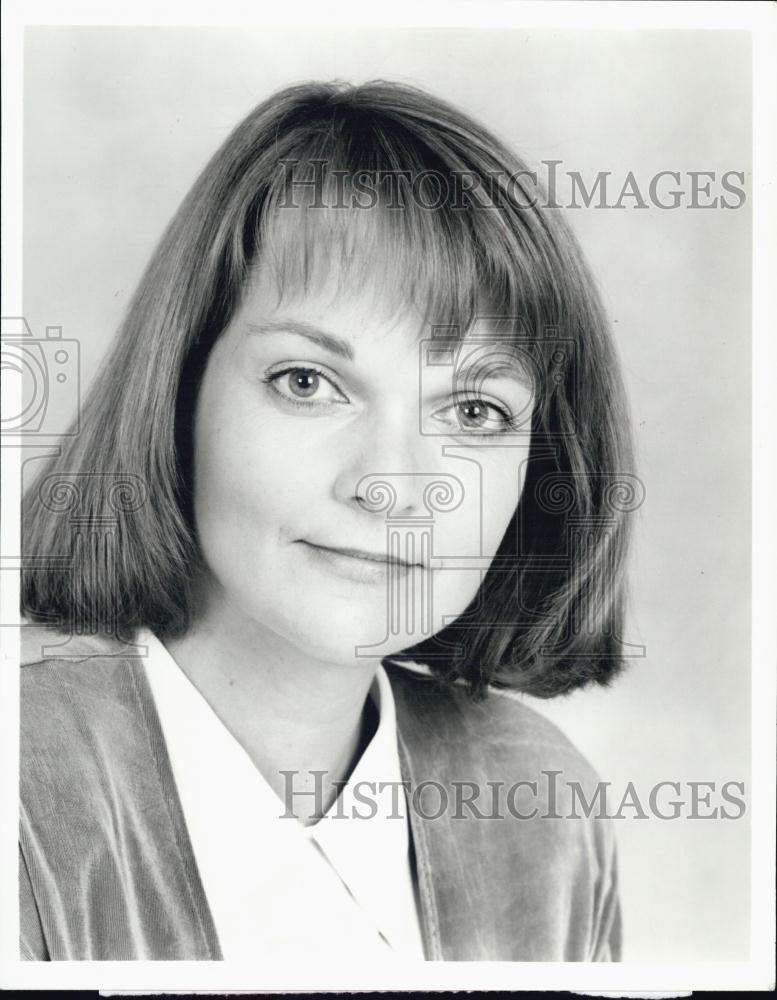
(360, 567)
(373, 557)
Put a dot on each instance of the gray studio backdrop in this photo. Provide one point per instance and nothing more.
(118, 122)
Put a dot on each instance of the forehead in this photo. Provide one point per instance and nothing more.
(355, 326)
(352, 320)
(358, 315)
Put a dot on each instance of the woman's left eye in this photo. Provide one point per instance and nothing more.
(480, 416)
(298, 384)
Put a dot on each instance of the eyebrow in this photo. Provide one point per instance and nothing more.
(517, 374)
(328, 341)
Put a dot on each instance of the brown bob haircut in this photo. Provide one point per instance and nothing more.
(456, 220)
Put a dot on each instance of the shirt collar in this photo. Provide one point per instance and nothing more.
(364, 834)
(373, 790)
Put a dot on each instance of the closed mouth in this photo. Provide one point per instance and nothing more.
(366, 556)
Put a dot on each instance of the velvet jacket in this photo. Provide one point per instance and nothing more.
(107, 871)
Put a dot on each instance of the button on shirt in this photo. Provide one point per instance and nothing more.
(341, 888)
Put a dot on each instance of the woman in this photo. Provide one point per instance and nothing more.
(353, 475)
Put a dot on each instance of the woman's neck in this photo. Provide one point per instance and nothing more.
(290, 712)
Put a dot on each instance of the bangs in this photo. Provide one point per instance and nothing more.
(367, 208)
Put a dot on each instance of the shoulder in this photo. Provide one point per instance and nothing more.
(76, 692)
(502, 729)
(87, 739)
(500, 760)
(507, 753)
(40, 644)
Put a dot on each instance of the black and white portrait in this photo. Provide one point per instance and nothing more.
(380, 451)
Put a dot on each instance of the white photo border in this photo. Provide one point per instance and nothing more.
(634, 978)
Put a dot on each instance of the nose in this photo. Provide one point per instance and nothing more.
(386, 468)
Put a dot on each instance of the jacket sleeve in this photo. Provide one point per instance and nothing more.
(32, 944)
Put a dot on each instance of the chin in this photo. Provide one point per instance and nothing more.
(349, 637)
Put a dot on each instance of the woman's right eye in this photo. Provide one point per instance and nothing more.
(299, 384)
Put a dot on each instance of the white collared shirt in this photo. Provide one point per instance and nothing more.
(341, 888)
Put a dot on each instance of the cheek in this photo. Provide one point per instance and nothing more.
(492, 490)
(492, 486)
(252, 476)
(501, 503)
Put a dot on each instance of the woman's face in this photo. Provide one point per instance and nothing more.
(305, 409)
